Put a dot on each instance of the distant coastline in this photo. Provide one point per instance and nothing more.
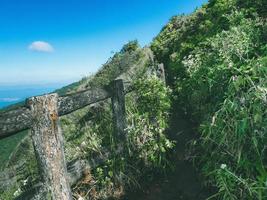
(11, 94)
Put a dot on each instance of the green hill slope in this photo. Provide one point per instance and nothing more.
(89, 132)
(216, 65)
(216, 62)
(130, 55)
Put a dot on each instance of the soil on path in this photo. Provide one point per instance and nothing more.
(184, 182)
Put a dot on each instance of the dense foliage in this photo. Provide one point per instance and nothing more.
(145, 149)
(216, 64)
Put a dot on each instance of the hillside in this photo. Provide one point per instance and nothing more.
(130, 56)
(88, 132)
(207, 127)
(216, 65)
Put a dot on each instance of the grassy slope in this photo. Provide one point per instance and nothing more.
(216, 63)
(121, 62)
(129, 62)
(198, 70)
(7, 146)
(89, 131)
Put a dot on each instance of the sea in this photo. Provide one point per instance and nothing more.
(11, 94)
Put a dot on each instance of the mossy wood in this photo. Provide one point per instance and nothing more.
(48, 145)
(19, 119)
(118, 109)
(41, 115)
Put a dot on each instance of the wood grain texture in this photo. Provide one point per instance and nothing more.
(48, 145)
(14, 121)
(19, 119)
(118, 109)
(70, 103)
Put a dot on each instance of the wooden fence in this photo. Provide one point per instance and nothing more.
(41, 115)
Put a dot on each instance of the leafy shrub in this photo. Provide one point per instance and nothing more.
(146, 148)
(88, 134)
(219, 79)
(210, 67)
(149, 120)
(236, 134)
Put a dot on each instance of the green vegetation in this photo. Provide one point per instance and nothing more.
(8, 145)
(131, 55)
(121, 62)
(145, 150)
(216, 65)
(89, 132)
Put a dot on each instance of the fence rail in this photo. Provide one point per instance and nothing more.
(14, 121)
(41, 115)
(19, 119)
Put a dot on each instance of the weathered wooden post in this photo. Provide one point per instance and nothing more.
(161, 73)
(48, 145)
(118, 108)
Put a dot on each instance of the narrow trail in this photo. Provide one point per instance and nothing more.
(184, 182)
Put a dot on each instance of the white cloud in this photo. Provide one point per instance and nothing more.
(41, 46)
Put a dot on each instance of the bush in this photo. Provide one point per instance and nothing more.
(236, 136)
(148, 122)
(225, 92)
(146, 147)
(215, 60)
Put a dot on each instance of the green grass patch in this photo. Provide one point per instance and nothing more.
(8, 145)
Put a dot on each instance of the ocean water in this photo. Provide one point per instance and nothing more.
(16, 93)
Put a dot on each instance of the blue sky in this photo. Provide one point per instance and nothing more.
(60, 41)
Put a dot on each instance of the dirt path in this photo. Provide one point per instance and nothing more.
(183, 183)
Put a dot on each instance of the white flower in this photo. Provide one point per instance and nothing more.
(242, 100)
(25, 181)
(223, 166)
(80, 198)
(213, 120)
(83, 145)
(234, 78)
(17, 192)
